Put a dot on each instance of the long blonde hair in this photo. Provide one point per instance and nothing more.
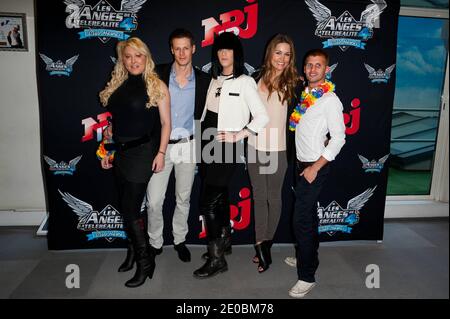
(285, 83)
(120, 73)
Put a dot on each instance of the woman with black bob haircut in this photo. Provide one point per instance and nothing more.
(231, 101)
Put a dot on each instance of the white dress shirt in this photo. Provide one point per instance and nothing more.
(323, 117)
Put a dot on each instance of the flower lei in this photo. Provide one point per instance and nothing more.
(101, 151)
(307, 100)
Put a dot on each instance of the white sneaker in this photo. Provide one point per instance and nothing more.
(301, 288)
(291, 261)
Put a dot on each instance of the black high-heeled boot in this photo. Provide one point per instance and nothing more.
(269, 244)
(216, 262)
(127, 265)
(223, 208)
(226, 235)
(210, 208)
(145, 259)
(261, 253)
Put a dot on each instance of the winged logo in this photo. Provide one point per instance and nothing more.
(373, 12)
(132, 5)
(79, 207)
(62, 168)
(320, 12)
(358, 202)
(378, 76)
(103, 20)
(373, 165)
(333, 27)
(59, 67)
(107, 223)
(334, 218)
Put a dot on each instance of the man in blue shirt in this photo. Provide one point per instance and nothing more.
(188, 87)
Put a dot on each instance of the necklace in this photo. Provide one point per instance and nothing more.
(307, 100)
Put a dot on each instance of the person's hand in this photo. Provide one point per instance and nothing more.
(107, 132)
(106, 164)
(309, 173)
(158, 163)
(228, 137)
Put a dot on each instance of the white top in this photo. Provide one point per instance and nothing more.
(323, 117)
(213, 97)
(239, 106)
(273, 137)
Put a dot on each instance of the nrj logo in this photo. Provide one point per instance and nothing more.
(334, 218)
(345, 31)
(91, 126)
(62, 168)
(102, 20)
(239, 214)
(379, 76)
(232, 21)
(59, 68)
(107, 223)
(373, 166)
(352, 119)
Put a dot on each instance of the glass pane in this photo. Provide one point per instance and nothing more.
(436, 4)
(421, 60)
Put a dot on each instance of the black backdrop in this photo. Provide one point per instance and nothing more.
(75, 60)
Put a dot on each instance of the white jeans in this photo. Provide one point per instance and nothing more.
(180, 156)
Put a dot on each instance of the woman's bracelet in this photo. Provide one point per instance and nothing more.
(162, 153)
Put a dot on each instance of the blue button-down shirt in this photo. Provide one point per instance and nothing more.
(182, 106)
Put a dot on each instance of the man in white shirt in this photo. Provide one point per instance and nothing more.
(322, 117)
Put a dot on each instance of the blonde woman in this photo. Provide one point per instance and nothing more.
(279, 87)
(137, 99)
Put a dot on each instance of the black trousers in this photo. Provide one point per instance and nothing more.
(131, 196)
(306, 223)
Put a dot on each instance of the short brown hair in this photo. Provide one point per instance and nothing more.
(181, 33)
(317, 52)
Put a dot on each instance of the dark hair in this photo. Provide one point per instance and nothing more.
(181, 33)
(317, 52)
(227, 40)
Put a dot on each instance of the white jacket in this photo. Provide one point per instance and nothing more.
(239, 99)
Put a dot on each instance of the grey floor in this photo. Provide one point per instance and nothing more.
(413, 260)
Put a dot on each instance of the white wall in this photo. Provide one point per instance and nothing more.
(21, 182)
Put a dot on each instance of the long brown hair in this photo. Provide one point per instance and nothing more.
(285, 83)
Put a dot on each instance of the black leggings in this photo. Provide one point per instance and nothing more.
(131, 197)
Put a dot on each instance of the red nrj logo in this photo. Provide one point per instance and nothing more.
(232, 21)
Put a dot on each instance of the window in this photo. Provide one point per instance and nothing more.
(421, 64)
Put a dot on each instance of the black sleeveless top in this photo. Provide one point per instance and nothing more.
(130, 117)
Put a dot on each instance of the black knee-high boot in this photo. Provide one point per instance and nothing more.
(210, 207)
(129, 259)
(225, 232)
(145, 259)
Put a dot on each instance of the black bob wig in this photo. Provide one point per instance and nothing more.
(227, 40)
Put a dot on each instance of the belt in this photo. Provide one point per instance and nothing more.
(303, 165)
(127, 145)
(181, 140)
